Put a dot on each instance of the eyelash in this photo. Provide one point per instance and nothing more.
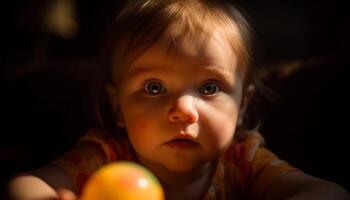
(150, 91)
(218, 89)
(156, 87)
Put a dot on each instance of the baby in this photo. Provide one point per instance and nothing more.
(179, 75)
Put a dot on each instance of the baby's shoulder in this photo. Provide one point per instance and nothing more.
(245, 148)
(248, 158)
(92, 151)
(115, 148)
(250, 166)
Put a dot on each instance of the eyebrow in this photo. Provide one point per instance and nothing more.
(139, 70)
(219, 71)
(215, 70)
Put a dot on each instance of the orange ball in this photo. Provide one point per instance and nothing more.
(122, 181)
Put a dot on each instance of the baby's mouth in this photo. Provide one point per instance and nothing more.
(181, 144)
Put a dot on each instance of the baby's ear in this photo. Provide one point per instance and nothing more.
(114, 102)
(247, 96)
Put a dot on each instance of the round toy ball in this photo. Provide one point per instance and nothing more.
(122, 181)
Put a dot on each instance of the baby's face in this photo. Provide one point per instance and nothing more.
(180, 101)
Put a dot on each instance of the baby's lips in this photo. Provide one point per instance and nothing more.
(185, 136)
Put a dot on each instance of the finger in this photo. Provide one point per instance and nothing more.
(65, 194)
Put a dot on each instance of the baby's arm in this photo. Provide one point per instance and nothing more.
(90, 153)
(30, 187)
(297, 185)
(41, 184)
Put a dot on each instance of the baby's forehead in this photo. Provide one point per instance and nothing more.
(176, 35)
(188, 26)
(187, 30)
(178, 46)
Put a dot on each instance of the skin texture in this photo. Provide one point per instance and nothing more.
(197, 96)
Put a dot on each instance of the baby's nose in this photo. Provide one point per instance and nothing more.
(184, 110)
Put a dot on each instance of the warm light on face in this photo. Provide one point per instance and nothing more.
(197, 79)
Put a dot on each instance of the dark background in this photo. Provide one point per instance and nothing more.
(46, 104)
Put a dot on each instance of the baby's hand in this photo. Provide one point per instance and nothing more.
(65, 194)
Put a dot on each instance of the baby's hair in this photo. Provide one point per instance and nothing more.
(142, 22)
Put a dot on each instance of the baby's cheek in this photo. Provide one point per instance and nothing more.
(225, 130)
(223, 122)
(136, 127)
(142, 126)
(137, 132)
(222, 127)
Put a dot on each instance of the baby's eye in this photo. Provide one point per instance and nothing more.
(154, 87)
(209, 88)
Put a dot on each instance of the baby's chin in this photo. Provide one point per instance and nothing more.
(184, 169)
(180, 168)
